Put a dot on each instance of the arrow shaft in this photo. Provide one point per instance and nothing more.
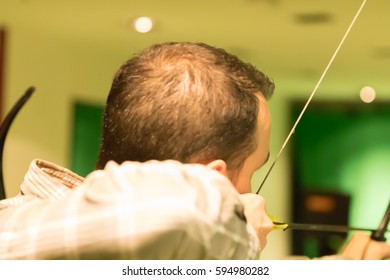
(325, 228)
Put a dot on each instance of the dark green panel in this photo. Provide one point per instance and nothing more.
(345, 148)
(87, 123)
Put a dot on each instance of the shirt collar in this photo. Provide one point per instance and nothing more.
(48, 180)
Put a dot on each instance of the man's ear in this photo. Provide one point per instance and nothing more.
(218, 165)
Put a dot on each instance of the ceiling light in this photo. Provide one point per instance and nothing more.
(143, 24)
(367, 94)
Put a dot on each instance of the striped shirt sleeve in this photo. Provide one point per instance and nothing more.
(153, 210)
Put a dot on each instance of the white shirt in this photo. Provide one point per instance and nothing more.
(152, 210)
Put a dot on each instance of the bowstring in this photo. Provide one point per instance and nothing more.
(313, 93)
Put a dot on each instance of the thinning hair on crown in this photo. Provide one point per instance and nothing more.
(189, 102)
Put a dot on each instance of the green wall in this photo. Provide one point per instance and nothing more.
(345, 148)
(86, 137)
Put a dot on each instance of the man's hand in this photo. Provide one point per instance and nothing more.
(255, 213)
(361, 247)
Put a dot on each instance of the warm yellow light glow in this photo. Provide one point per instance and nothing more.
(367, 94)
(143, 24)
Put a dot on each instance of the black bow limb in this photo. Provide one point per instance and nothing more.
(4, 130)
(379, 234)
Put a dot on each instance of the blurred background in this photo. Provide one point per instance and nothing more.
(335, 170)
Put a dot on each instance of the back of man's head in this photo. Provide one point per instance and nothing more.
(184, 101)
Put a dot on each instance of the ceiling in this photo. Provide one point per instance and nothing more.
(291, 40)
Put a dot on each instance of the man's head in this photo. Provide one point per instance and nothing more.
(189, 102)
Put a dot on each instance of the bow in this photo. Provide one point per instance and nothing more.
(376, 234)
(4, 130)
(312, 94)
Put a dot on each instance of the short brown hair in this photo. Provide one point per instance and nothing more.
(189, 102)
